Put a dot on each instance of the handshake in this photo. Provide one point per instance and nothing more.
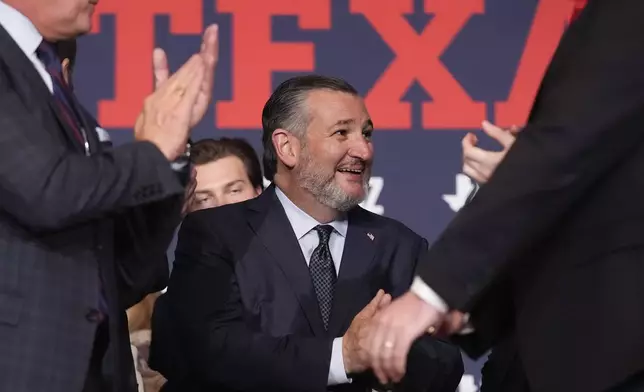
(355, 351)
(373, 341)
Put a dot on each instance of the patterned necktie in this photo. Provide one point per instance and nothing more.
(63, 96)
(322, 272)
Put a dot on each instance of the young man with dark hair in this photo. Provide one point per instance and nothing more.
(228, 171)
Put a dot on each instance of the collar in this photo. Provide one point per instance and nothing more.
(20, 29)
(302, 222)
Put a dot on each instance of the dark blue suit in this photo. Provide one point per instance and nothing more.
(243, 310)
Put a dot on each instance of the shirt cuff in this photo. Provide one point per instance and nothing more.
(337, 375)
(424, 292)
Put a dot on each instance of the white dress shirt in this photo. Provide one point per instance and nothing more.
(26, 36)
(308, 239)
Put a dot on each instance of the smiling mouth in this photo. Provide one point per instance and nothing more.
(352, 170)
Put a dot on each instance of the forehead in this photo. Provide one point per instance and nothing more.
(327, 107)
(221, 172)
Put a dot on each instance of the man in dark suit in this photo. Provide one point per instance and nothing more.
(556, 236)
(272, 294)
(81, 233)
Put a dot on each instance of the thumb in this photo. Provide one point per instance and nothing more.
(372, 306)
(160, 65)
(384, 301)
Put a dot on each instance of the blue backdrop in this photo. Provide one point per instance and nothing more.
(430, 70)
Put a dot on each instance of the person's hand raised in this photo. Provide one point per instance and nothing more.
(167, 113)
(480, 164)
(209, 52)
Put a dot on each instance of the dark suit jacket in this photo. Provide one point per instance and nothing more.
(243, 310)
(561, 222)
(65, 219)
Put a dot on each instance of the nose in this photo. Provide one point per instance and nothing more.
(362, 149)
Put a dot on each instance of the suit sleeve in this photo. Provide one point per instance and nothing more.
(142, 235)
(433, 364)
(588, 115)
(223, 350)
(45, 186)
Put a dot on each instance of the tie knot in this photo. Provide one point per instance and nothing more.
(46, 52)
(324, 232)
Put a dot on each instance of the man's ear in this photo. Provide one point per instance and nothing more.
(287, 147)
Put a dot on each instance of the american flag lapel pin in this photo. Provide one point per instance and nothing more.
(371, 237)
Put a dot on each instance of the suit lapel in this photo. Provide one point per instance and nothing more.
(357, 256)
(29, 78)
(268, 220)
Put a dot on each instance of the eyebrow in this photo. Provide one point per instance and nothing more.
(367, 124)
(344, 122)
(234, 182)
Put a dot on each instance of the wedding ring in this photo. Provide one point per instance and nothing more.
(389, 344)
(431, 330)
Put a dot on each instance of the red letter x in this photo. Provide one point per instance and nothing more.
(418, 58)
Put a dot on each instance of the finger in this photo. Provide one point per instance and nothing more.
(160, 66)
(469, 140)
(376, 348)
(384, 301)
(184, 95)
(499, 134)
(188, 100)
(184, 75)
(210, 54)
(514, 129)
(476, 154)
(210, 44)
(372, 306)
(389, 358)
(398, 365)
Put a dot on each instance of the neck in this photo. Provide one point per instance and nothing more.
(305, 201)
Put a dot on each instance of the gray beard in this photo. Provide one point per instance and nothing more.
(324, 189)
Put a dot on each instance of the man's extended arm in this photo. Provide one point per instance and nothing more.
(587, 117)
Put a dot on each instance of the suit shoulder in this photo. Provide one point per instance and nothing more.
(228, 215)
(388, 224)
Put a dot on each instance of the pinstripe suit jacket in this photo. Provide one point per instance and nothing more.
(70, 224)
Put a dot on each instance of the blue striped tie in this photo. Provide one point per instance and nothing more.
(63, 95)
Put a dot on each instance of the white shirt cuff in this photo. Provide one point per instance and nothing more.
(337, 375)
(424, 292)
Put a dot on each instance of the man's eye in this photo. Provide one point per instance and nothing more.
(341, 132)
(202, 200)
